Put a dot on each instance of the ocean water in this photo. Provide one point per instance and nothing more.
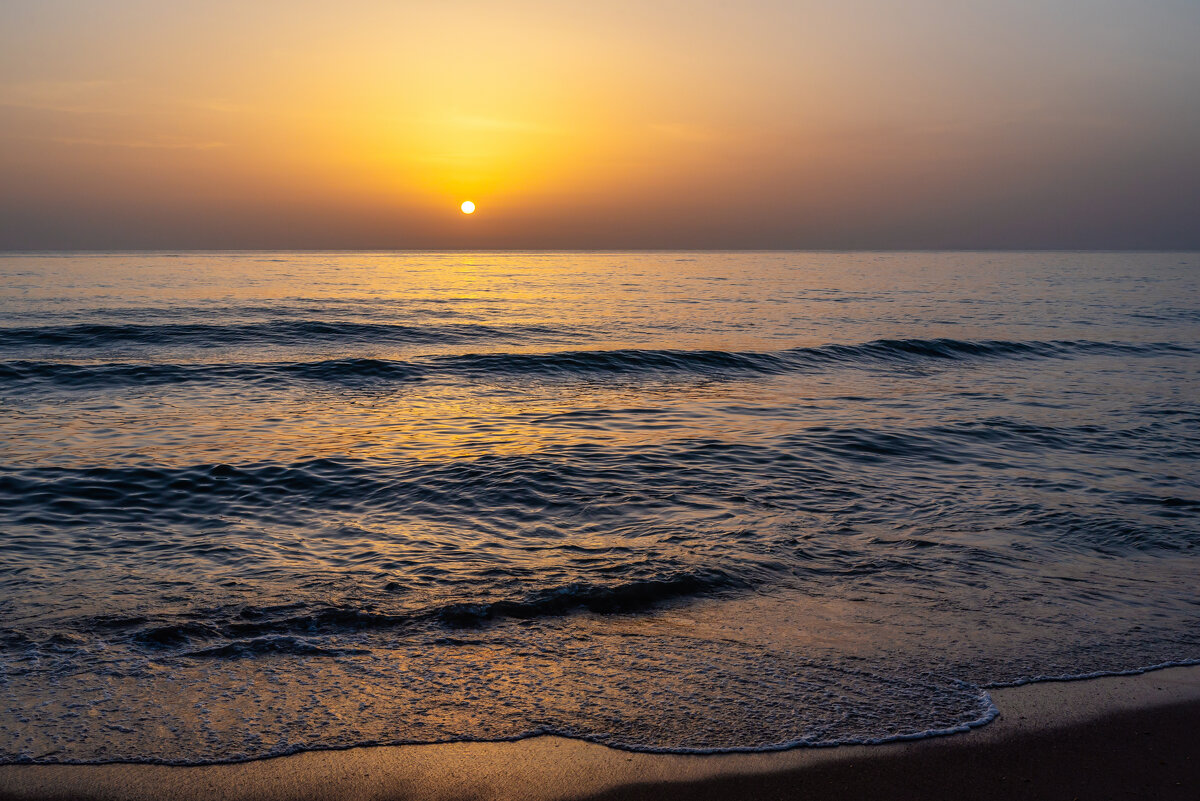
(258, 503)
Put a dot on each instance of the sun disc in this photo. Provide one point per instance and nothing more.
(468, 207)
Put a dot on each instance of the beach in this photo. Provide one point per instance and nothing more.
(1105, 738)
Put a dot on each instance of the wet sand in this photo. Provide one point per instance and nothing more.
(1109, 738)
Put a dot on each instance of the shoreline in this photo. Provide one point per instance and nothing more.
(1106, 737)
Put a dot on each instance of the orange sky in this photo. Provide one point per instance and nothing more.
(620, 124)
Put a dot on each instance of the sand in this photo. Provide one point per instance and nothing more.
(1109, 738)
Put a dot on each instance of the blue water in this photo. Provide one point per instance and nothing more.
(258, 503)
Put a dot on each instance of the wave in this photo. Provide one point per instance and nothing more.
(90, 336)
(630, 498)
(707, 364)
(629, 596)
(116, 375)
(246, 631)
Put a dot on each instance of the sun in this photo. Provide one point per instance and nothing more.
(468, 207)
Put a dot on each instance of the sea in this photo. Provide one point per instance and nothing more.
(259, 503)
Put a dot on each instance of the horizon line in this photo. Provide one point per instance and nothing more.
(168, 251)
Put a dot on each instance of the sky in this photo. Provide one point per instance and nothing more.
(872, 124)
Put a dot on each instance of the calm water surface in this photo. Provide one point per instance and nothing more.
(258, 503)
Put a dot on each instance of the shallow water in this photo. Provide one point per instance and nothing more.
(258, 503)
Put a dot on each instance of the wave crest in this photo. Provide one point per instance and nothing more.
(708, 364)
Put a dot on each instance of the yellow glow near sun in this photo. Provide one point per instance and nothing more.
(468, 207)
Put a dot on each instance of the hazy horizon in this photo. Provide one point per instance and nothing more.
(467, 251)
(869, 125)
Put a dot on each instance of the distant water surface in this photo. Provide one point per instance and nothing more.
(258, 503)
